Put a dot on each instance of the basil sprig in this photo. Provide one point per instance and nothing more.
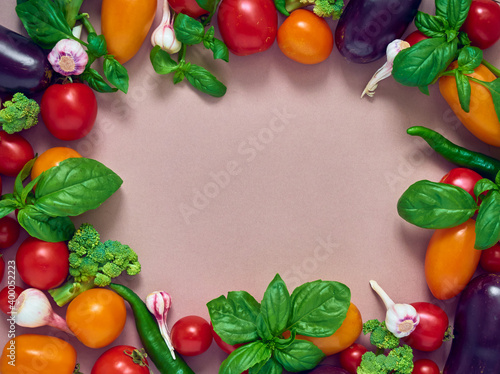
(73, 187)
(316, 308)
(48, 22)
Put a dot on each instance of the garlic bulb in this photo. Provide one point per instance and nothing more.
(164, 35)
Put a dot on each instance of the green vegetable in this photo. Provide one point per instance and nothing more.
(380, 336)
(316, 308)
(19, 114)
(398, 361)
(150, 335)
(322, 8)
(93, 263)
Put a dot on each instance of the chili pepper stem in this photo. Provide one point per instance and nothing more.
(492, 68)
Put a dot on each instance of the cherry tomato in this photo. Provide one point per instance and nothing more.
(69, 110)
(431, 330)
(9, 232)
(228, 348)
(350, 358)
(490, 259)
(119, 360)
(8, 297)
(305, 37)
(52, 157)
(15, 152)
(42, 265)
(38, 354)
(462, 177)
(247, 26)
(189, 7)
(425, 366)
(191, 335)
(97, 317)
(415, 37)
(482, 24)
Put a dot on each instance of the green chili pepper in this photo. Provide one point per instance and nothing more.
(485, 165)
(149, 333)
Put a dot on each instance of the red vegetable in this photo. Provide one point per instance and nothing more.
(189, 7)
(430, 332)
(415, 37)
(490, 259)
(351, 357)
(15, 152)
(191, 335)
(8, 297)
(121, 359)
(462, 177)
(9, 232)
(483, 23)
(425, 366)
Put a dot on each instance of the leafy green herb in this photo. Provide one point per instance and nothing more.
(316, 308)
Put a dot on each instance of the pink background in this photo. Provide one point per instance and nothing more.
(317, 173)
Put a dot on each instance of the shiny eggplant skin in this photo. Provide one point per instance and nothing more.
(23, 64)
(475, 348)
(366, 27)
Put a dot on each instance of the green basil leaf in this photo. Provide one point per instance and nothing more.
(204, 81)
(433, 26)
(469, 58)
(420, 65)
(494, 88)
(299, 356)
(435, 205)
(43, 227)
(209, 5)
(44, 22)
(234, 318)
(29, 188)
(96, 81)
(220, 50)
(162, 62)
(179, 74)
(22, 175)
(97, 44)
(188, 30)
(319, 307)
(456, 12)
(463, 39)
(484, 185)
(245, 357)
(7, 206)
(441, 8)
(488, 221)
(115, 73)
(75, 186)
(464, 90)
(275, 306)
(281, 7)
(283, 343)
(424, 90)
(271, 366)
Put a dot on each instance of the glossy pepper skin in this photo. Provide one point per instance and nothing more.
(481, 120)
(125, 25)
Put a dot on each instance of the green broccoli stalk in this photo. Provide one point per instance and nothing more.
(19, 114)
(398, 361)
(93, 263)
(322, 8)
(380, 336)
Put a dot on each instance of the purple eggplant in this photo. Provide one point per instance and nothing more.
(476, 344)
(23, 64)
(366, 27)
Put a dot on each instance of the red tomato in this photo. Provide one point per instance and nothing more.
(191, 335)
(483, 23)
(69, 110)
(490, 259)
(228, 348)
(462, 177)
(189, 7)
(430, 332)
(2, 267)
(247, 26)
(9, 232)
(425, 366)
(415, 37)
(8, 297)
(119, 360)
(350, 358)
(42, 265)
(305, 37)
(15, 152)
(0, 185)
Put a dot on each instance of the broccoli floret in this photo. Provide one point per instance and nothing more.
(398, 361)
(322, 8)
(380, 336)
(19, 114)
(94, 264)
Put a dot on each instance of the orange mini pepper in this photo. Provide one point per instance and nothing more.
(125, 25)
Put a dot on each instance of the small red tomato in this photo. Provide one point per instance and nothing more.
(228, 348)
(191, 335)
(431, 330)
(350, 358)
(188, 7)
(69, 110)
(42, 265)
(490, 259)
(119, 360)
(8, 297)
(15, 152)
(415, 37)
(482, 24)
(425, 366)
(9, 232)
(462, 177)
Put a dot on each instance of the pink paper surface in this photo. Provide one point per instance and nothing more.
(290, 172)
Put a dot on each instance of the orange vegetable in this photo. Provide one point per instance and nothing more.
(451, 260)
(40, 354)
(481, 120)
(125, 25)
(52, 157)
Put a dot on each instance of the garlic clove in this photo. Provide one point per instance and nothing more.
(159, 303)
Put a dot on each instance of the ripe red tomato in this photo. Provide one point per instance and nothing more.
(425, 366)
(415, 37)
(69, 110)
(490, 259)
(228, 348)
(483, 23)
(191, 335)
(15, 152)
(305, 37)
(189, 7)
(119, 360)
(350, 358)
(247, 26)
(430, 332)
(42, 265)
(9, 232)
(462, 177)
(8, 297)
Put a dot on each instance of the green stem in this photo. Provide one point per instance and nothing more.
(84, 18)
(492, 68)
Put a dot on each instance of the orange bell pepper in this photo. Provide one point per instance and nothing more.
(481, 120)
(125, 25)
